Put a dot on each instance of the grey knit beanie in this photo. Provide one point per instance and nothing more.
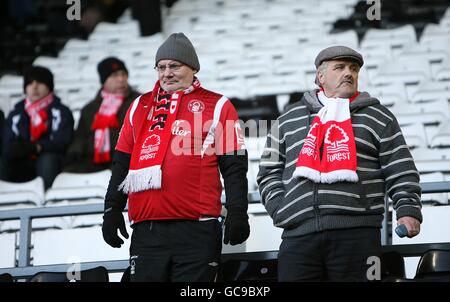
(178, 47)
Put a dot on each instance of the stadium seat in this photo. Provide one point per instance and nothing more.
(77, 186)
(29, 193)
(392, 266)
(7, 250)
(6, 278)
(442, 137)
(97, 274)
(263, 268)
(415, 135)
(439, 198)
(434, 266)
(75, 245)
(431, 160)
(126, 275)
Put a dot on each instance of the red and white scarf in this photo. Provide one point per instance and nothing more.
(332, 127)
(105, 118)
(153, 140)
(37, 111)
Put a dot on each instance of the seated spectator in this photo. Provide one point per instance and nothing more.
(37, 131)
(100, 120)
(2, 121)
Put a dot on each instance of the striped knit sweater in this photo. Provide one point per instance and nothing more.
(385, 165)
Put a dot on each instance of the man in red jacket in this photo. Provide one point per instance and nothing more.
(172, 145)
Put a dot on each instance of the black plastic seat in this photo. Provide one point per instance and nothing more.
(6, 277)
(434, 265)
(96, 274)
(257, 266)
(126, 275)
(392, 265)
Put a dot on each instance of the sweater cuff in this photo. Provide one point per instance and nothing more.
(409, 211)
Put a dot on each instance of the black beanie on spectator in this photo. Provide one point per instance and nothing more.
(40, 74)
(108, 66)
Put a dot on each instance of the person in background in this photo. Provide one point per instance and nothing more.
(2, 169)
(37, 131)
(328, 164)
(174, 142)
(100, 120)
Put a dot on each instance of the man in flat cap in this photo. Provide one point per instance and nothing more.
(328, 164)
(174, 142)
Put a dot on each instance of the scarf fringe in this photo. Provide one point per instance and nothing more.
(329, 178)
(141, 180)
(307, 172)
(338, 175)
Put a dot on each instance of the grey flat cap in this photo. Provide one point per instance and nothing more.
(338, 53)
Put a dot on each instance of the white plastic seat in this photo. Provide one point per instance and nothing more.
(397, 38)
(74, 246)
(429, 91)
(442, 137)
(7, 250)
(431, 160)
(76, 186)
(441, 198)
(415, 135)
(264, 236)
(29, 193)
(64, 222)
(388, 95)
(80, 221)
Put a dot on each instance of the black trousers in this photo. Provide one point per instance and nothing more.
(175, 250)
(47, 166)
(334, 255)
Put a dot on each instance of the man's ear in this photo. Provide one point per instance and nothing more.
(320, 78)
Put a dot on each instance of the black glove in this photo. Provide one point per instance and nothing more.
(21, 149)
(113, 220)
(237, 228)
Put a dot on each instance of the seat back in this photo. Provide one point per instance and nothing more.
(126, 275)
(78, 186)
(6, 278)
(96, 274)
(257, 266)
(30, 192)
(392, 265)
(434, 265)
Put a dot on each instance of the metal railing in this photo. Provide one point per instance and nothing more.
(25, 270)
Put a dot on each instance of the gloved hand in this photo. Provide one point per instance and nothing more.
(112, 221)
(237, 228)
(21, 149)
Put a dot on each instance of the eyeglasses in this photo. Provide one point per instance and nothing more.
(172, 67)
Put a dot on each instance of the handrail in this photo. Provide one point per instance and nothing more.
(26, 215)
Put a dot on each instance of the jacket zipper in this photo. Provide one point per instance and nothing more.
(316, 207)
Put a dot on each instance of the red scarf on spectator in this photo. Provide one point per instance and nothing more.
(105, 118)
(332, 128)
(37, 111)
(153, 140)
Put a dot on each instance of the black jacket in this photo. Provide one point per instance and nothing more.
(80, 156)
(57, 138)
